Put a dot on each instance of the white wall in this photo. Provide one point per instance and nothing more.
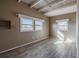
(77, 29)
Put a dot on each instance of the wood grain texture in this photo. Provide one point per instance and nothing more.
(44, 49)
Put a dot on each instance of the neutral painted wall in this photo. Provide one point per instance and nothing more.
(71, 33)
(10, 38)
(77, 29)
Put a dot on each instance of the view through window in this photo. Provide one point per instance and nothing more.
(26, 24)
(62, 25)
(38, 25)
(30, 24)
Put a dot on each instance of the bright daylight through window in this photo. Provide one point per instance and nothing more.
(30, 24)
(62, 25)
(38, 25)
(26, 24)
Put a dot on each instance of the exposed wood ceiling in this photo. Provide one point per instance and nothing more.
(52, 7)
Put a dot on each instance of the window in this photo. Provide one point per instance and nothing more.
(62, 25)
(39, 25)
(26, 24)
(30, 23)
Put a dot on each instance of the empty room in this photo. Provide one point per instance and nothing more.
(39, 29)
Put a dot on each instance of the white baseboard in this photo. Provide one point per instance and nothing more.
(22, 45)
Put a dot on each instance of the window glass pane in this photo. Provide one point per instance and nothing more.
(38, 28)
(26, 21)
(62, 25)
(26, 24)
(26, 28)
(38, 25)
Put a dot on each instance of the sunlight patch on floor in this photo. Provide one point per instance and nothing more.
(62, 41)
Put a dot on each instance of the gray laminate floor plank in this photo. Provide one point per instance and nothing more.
(48, 49)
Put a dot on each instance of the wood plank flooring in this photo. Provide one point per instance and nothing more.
(44, 49)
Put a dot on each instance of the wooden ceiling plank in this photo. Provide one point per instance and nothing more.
(35, 3)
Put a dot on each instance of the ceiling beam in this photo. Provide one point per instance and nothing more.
(35, 3)
(53, 3)
(62, 6)
(60, 11)
(56, 4)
